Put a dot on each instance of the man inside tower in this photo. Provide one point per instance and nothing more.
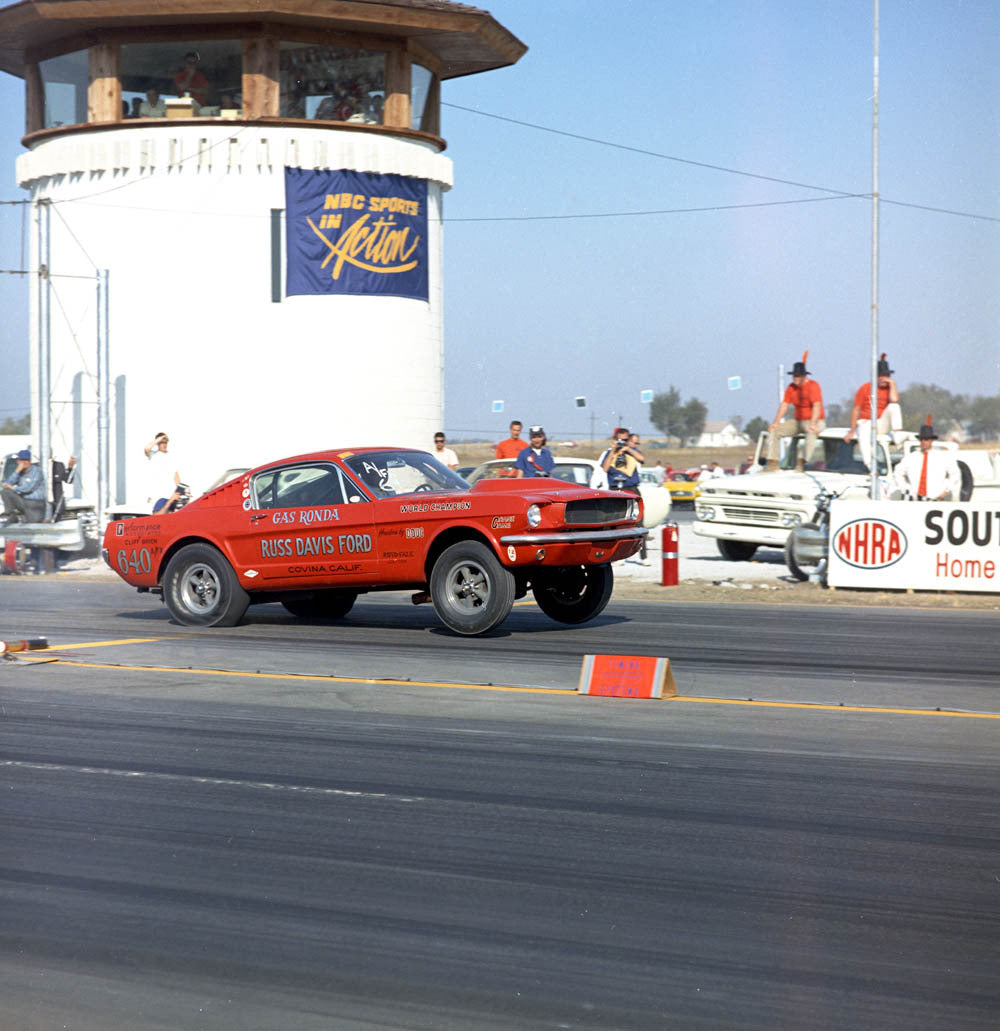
(191, 81)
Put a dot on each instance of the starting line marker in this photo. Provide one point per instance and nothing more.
(29, 644)
(627, 676)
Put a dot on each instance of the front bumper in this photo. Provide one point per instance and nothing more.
(576, 547)
(768, 536)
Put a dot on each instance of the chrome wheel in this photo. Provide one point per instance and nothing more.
(472, 592)
(199, 589)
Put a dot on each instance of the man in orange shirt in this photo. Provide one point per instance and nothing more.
(806, 398)
(513, 446)
(890, 415)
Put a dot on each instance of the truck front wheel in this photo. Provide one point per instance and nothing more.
(736, 551)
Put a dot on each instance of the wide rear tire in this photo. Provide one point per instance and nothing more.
(574, 594)
(201, 589)
(800, 572)
(471, 591)
(329, 604)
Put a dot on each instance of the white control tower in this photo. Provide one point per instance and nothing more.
(262, 184)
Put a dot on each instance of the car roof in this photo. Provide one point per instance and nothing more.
(333, 454)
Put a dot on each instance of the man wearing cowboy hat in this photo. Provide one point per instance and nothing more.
(806, 397)
(929, 474)
(890, 415)
(24, 493)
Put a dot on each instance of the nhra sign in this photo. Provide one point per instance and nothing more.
(355, 233)
(921, 545)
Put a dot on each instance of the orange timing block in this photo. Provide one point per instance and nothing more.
(627, 676)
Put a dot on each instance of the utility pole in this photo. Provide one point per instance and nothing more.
(874, 372)
(42, 215)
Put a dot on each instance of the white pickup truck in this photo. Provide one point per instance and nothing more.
(759, 509)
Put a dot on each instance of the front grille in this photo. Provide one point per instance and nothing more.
(597, 510)
(751, 515)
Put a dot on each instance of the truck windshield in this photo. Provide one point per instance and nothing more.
(832, 455)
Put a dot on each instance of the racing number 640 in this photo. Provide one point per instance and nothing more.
(138, 561)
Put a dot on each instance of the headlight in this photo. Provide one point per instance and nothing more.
(705, 513)
(633, 510)
(534, 515)
(791, 519)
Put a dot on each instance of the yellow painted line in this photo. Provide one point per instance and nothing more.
(825, 706)
(321, 677)
(106, 644)
(509, 688)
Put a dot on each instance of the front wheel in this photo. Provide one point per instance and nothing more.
(791, 556)
(574, 594)
(201, 589)
(471, 591)
(736, 551)
(329, 604)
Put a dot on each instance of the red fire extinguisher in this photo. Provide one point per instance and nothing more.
(671, 546)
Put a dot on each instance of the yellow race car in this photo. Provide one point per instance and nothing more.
(683, 487)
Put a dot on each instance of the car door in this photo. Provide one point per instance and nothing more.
(309, 526)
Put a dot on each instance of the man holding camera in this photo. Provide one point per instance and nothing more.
(621, 463)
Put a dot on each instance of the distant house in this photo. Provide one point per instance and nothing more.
(720, 434)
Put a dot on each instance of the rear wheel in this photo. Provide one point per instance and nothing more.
(736, 551)
(471, 591)
(201, 589)
(574, 594)
(799, 571)
(331, 604)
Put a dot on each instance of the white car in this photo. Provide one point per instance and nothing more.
(587, 473)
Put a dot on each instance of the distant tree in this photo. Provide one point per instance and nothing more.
(665, 413)
(693, 416)
(22, 425)
(839, 414)
(923, 399)
(984, 417)
(755, 427)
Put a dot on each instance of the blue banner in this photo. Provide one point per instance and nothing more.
(355, 233)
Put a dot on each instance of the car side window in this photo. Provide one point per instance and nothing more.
(299, 486)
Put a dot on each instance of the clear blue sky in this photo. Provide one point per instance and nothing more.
(539, 310)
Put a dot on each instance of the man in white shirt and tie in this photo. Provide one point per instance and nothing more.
(930, 475)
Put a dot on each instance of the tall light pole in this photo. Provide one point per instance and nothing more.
(874, 372)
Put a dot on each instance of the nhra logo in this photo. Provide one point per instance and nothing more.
(870, 543)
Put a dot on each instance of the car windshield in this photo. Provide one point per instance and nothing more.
(579, 473)
(386, 474)
(491, 471)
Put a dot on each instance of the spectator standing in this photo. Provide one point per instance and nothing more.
(536, 459)
(443, 454)
(805, 397)
(24, 493)
(930, 475)
(164, 479)
(622, 462)
(513, 445)
(890, 415)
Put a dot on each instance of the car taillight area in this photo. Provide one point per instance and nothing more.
(600, 510)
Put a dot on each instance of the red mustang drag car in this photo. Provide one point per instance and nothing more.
(315, 531)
